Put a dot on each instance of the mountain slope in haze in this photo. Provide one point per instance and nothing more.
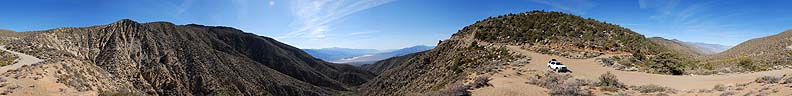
(161, 58)
(756, 54)
(371, 58)
(678, 46)
(382, 65)
(335, 53)
(480, 48)
(709, 48)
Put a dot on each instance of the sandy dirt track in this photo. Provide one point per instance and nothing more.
(24, 59)
(506, 83)
(589, 69)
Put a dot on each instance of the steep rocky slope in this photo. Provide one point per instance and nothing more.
(161, 58)
(771, 52)
(437, 70)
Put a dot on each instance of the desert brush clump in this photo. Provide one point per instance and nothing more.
(7, 58)
(609, 82)
(481, 81)
(456, 89)
(720, 87)
(768, 79)
(560, 85)
(650, 88)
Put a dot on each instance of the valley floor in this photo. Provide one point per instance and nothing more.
(512, 81)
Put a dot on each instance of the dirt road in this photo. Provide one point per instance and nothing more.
(24, 59)
(589, 69)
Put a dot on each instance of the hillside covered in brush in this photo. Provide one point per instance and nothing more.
(479, 48)
(766, 53)
(577, 37)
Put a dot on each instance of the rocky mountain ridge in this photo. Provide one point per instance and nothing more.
(160, 58)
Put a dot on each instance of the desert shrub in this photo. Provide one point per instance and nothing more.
(788, 80)
(650, 88)
(748, 64)
(109, 93)
(720, 87)
(620, 94)
(567, 89)
(668, 63)
(561, 85)
(609, 80)
(549, 79)
(452, 90)
(768, 79)
(480, 81)
(729, 93)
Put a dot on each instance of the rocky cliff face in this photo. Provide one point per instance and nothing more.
(161, 58)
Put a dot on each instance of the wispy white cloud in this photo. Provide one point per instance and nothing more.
(574, 6)
(694, 21)
(186, 4)
(271, 3)
(314, 18)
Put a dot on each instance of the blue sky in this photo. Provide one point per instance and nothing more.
(389, 24)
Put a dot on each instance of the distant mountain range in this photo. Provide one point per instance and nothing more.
(690, 48)
(709, 48)
(337, 53)
(362, 56)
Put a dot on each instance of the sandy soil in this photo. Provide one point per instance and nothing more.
(508, 83)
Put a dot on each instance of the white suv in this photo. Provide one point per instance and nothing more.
(556, 66)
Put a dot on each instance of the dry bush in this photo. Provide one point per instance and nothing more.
(788, 80)
(452, 90)
(720, 87)
(568, 89)
(609, 82)
(650, 88)
(561, 85)
(548, 79)
(728, 93)
(768, 79)
(481, 81)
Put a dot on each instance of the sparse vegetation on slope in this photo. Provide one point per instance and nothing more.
(576, 37)
(556, 28)
(760, 54)
(7, 58)
(435, 70)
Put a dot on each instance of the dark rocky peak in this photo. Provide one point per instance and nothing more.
(123, 25)
(124, 22)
